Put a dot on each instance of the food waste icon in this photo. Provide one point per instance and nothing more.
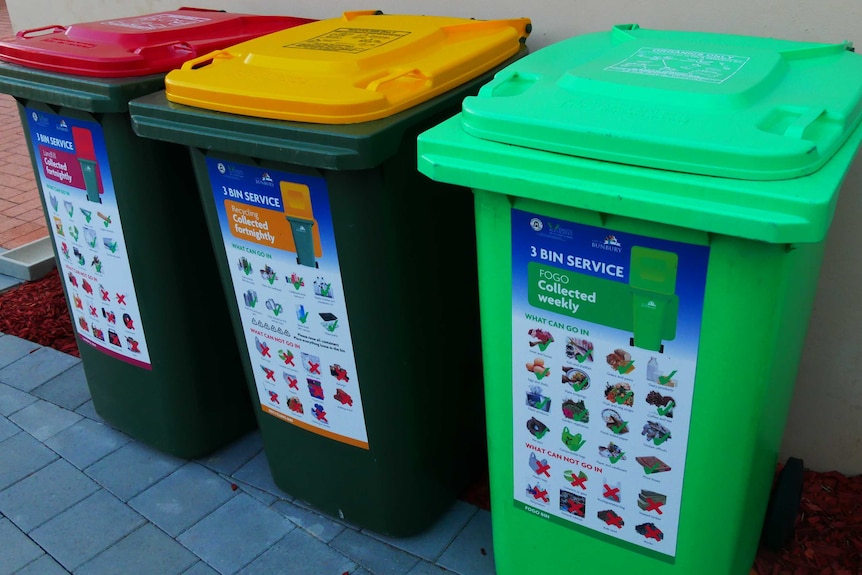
(576, 410)
(576, 378)
(621, 361)
(537, 368)
(540, 338)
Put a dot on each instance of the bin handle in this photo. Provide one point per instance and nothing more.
(797, 128)
(25, 34)
(205, 60)
(376, 85)
(165, 47)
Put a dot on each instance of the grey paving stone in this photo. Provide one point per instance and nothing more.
(147, 550)
(425, 568)
(256, 473)
(263, 496)
(432, 542)
(86, 529)
(132, 468)
(86, 442)
(373, 554)
(7, 428)
(465, 554)
(235, 533)
(43, 419)
(201, 568)
(34, 369)
(88, 410)
(22, 455)
(183, 498)
(300, 554)
(45, 494)
(233, 456)
(13, 348)
(16, 549)
(11, 399)
(318, 525)
(8, 282)
(69, 389)
(44, 565)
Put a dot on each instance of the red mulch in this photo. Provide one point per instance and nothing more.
(828, 538)
(37, 311)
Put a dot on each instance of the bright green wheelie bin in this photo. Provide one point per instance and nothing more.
(651, 209)
(350, 276)
(132, 250)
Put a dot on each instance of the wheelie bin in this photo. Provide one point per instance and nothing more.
(132, 248)
(350, 276)
(651, 208)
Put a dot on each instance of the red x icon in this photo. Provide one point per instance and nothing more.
(576, 508)
(93, 312)
(611, 492)
(133, 345)
(292, 383)
(264, 350)
(286, 357)
(273, 397)
(614, 519)
(121, 298)
(270, 374)
(654, 505)
(579, 481)
(652, 532)
(105, 296)
(540, 494)
(543, 468)
(314, 367)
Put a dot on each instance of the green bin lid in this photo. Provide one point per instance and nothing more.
(702, 103)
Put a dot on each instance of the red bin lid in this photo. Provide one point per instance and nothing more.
(137, 46)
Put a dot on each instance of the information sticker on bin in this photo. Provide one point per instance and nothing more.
(360, 67)
(138, 45)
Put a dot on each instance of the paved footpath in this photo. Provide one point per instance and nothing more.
(77, 496)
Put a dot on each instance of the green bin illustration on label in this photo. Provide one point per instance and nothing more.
(653, 279)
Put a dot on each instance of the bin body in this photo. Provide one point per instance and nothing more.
(133, 253)
(637, 398)
(347, 279)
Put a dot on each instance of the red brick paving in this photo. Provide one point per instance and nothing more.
(21, 217)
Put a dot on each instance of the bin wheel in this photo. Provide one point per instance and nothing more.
(783, 506)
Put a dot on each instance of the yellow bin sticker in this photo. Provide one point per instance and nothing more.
(360, 67)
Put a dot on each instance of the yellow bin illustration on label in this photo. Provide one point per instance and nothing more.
(360, 67)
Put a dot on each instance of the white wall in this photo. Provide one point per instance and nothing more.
(825, 425)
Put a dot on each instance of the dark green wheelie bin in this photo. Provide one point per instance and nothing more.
(132, 249)
(351, 279)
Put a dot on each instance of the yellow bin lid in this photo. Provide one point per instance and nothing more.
(360, 67)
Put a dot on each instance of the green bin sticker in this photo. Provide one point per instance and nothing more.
(75, 180)
(279, 240)
(606, 326)
(690, 65)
